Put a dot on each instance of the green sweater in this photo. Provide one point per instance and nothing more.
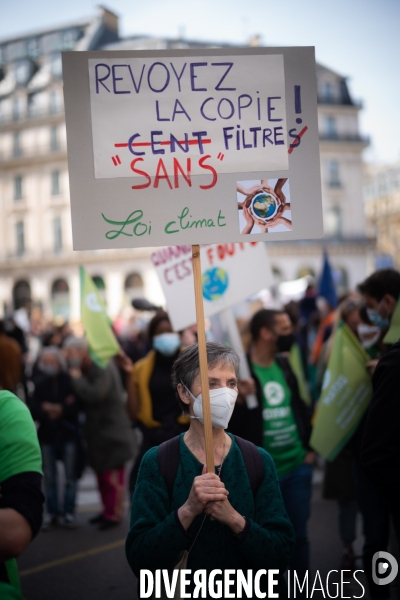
(156, 537)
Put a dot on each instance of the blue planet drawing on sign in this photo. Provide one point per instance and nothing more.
(215, 283)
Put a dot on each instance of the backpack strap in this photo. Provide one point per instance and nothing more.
(253, 463)
(168, 457)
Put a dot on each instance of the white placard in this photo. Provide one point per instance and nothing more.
(252, 173)
(230, 274)
(150, 111)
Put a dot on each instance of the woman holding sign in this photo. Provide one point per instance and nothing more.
(231, 519)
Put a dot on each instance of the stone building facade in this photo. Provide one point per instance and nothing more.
(382, 209)
(37, 264)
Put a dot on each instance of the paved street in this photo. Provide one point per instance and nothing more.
(89, 564)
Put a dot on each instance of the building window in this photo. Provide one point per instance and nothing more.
(22, 72)
(57, 235)
(22, 295)
(17, 151)
(60, 301)
(327, 92)
(54, 139)
(55, 183)
(331, 127)
(18, 187)
(99, 282)
(16, 109)
(69, 38)
(33, 48)
(20, 238)
(52, 42)
(334, 177)
(31, 105)
(17, 50)
(53, 102)
(133, 286)
(56, 65)
(333, 222)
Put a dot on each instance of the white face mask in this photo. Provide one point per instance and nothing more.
(222, 403)
(368, 334)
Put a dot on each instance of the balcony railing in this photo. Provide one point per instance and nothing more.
(31, 114)
(31, 152)
(344, 137)
(338, 102)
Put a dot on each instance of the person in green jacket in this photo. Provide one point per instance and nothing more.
(21, 498)
(216, 516)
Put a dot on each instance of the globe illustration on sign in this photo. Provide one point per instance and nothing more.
(264, 206)
(215, 283)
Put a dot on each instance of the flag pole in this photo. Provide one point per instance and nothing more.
(201, 336)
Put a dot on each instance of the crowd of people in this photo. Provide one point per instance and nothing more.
(242, 516)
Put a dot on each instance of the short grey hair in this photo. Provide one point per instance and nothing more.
(52, 351)
(75, 342)
(187, 366)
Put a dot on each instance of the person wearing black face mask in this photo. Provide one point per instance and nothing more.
(152, 402)
(282, 421)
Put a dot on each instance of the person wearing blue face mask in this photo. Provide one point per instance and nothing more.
(380, 446)
(153, 405)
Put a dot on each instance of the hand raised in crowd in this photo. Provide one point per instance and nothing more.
(246, 387)
(206, 488)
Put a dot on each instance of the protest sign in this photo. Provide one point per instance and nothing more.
(162, 145)
(192, 147)
(101, 340)
(229, 272)
(346, 393)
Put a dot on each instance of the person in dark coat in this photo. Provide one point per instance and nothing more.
(380, 446)
(152, 403)
(55, 407)
(109, 437)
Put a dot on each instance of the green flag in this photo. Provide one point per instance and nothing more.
(297, 367)
(393, 333)
(100, 337)
(346, 393)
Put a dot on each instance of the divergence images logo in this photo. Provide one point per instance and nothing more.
(384, 568)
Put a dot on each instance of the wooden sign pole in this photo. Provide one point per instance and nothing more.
(201, 336)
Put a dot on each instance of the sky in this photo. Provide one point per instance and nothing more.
(357, 38)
